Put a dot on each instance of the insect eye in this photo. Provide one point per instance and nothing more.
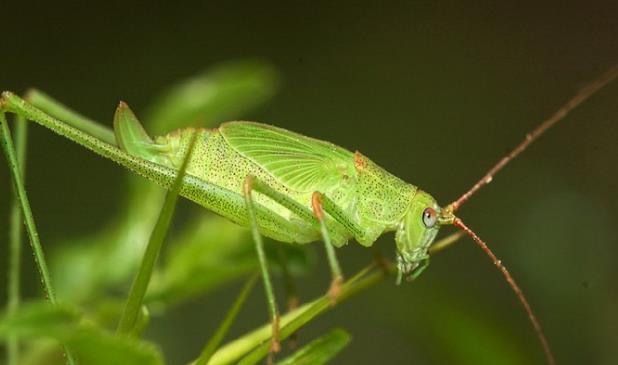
(429, 217)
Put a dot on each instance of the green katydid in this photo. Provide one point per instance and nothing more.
(290, 187)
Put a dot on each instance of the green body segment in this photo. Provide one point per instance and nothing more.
(366, 200)
(295, 166)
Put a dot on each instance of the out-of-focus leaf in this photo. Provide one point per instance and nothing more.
(222, 92)
(85, 266)
(209, 253)
(95, 347)
(39, 318)
(320, 350)
(88, 343)
(206, 253)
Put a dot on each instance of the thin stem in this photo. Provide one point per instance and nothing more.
(16, 240)
(357, 284)
(518, 292)
(580, 97)
(292, 321)
(142, 279)
(445, 242)
(9, 151)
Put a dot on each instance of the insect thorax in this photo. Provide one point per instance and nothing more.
(383, 199)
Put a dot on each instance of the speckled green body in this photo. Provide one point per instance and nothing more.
(372, 197)
(370, 201)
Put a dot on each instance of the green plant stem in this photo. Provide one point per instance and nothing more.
(445, 242)
(292, 321)
(315, 308)
(142, 279)
(9, 151)
(216, 339)
(16, 241)
(297, 318)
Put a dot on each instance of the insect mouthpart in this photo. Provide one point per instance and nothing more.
(409, 269)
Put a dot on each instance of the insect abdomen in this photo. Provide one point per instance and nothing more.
(214, 161)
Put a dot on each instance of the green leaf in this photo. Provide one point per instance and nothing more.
(38, 318)
(88, 343)
(92, 346)
(320, 350)
(225, 91)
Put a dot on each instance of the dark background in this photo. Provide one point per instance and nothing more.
(434, 93)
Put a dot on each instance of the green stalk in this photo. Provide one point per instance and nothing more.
(39, 258)
(142, 279)
(16, 241)
(317, 307)
(258, 339)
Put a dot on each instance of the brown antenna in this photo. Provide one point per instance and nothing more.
(582, 95)
(520, 295)
(447, 215)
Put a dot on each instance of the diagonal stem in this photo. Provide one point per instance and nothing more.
(9, 151)
(16, 240)
(137, 292)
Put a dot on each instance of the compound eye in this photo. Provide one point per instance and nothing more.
(429, 217)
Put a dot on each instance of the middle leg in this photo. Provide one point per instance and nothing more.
(316, 219)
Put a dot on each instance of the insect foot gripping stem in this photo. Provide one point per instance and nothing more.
(520, 295)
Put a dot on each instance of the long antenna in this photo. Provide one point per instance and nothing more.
(520, 295)
(447, 215)
(582, 95)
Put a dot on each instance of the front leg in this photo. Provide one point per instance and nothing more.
(335, 269)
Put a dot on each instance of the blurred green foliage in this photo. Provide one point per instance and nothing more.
(89, 344)
(435, 92)
(319, 351)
